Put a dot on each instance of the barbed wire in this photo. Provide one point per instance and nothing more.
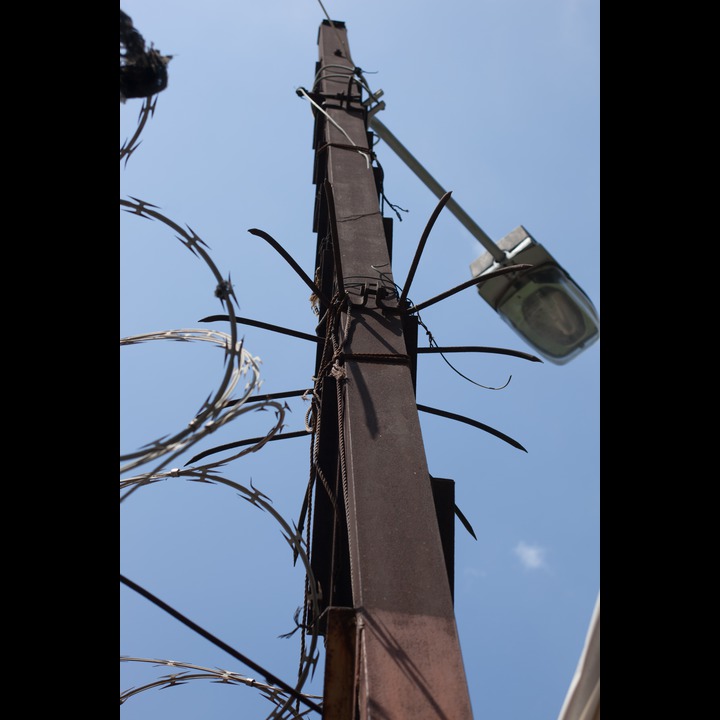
(215, 412)
(220, 408)
(292, 534)
(276, 695)
(146, 112)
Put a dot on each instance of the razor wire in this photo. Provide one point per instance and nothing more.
(292, 534)
(218, 675)
(218, 410)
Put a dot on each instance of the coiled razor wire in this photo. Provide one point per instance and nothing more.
(146, 112)
(216, 411)
(205, 673)
(292, 534)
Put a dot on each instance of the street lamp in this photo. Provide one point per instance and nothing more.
(543, 304)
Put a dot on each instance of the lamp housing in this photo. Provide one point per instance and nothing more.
(543, 304)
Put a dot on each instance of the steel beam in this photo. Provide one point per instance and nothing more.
(408, 659)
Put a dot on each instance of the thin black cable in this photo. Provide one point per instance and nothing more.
(393, 207)
(223, 646)
(434, 344)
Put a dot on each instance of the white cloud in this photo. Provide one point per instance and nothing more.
(531, 556)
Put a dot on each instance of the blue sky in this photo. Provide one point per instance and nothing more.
(499, 100)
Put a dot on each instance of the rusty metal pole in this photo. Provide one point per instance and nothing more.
(407, 659)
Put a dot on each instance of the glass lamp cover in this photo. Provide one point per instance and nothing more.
(551, 312)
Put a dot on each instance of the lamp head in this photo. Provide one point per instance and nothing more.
(542, 304)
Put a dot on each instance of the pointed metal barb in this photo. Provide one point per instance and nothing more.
(250, 441)
(474, 423)
(272, 396)
(261, 496)
(265, 326)
(191, 242)
(421, 246)
(200, 479)
(173, 676)
(479, 349)
(464, 521)
(224, 290)
(293, 539)
(469, 284)
(288, 258)
(143, 203)
(195, 238)
(140, 208)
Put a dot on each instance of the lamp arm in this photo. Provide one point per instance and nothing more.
(404, 154)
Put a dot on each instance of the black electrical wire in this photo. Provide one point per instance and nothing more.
(223, 646)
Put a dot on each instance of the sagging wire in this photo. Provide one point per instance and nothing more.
(324, 74)
(402, 294)
(411, 274)
(433, 343)
(351, 72)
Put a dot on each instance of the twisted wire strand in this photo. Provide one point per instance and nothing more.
(348, 73)
(324, 368)
(338, 346)
(306, 522)
(331, 365)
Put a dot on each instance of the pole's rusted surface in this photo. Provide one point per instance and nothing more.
(408, 662)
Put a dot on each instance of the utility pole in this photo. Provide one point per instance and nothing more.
(392, 647)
